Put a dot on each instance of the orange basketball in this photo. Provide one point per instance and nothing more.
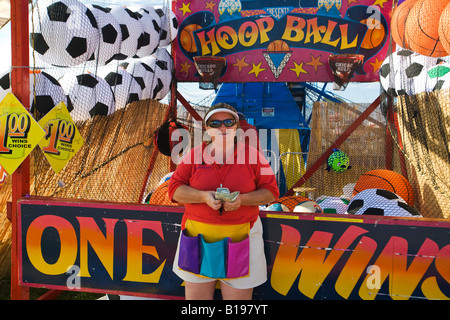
(187, 39)
(398, 22)
(422, 27)
(374, 35)
(278, 46)
(444, 28)
(387, 180)
(160, 196)
(291, 201)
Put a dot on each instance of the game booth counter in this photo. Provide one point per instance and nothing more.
(364, 200)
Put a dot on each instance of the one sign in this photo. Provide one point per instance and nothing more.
(286, 41)
(62, 138)
(19, 133)
(129, 249)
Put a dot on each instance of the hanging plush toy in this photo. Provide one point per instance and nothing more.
(338, 161)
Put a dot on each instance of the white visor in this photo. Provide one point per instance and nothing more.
(234, 114)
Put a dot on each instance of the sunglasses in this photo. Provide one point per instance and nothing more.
(217, 123)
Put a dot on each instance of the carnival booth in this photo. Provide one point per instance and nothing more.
(90, 113)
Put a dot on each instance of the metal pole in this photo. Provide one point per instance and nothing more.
(20, 85)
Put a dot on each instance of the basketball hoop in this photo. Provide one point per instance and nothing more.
(209, 68)
(342, 66)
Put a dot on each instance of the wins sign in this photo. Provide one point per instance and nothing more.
(129, 249)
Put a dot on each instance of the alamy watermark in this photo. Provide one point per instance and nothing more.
(184, 142)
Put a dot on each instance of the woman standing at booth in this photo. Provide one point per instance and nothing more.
(222, 183)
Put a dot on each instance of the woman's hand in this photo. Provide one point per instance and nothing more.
(210, 200)
(231, 206)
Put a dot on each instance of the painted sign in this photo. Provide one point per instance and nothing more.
(19, 133)
(129, 249)
(62, 138)
(287, 41)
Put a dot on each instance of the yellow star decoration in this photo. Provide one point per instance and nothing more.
(380, 3)
(298, 69)
(256, 69)
(351, 1)
(315, 62)
(210, 5)
(185, 8)
(376, 65)
(240, 63)
(185, 67)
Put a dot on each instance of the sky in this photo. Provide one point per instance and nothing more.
(356, 92)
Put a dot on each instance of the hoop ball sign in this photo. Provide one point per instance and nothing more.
(129, 249)
(286, 41)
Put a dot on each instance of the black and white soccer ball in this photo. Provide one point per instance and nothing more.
(380, 202)
(90, 95)
(151, 25)
(163, 72)
(152, 79)
(404, 72)
(64, 32)
(131, 31)
(45, 91)
(142, 73)
(110, 39)
(169, 26)
(124, 86)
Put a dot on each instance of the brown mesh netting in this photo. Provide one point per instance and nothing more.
(112, 165)
(424, 125)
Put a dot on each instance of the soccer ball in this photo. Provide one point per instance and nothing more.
(333, 205)
(64, 33)
(163, 72)
(169, 26)
(110, 34)
(308, 206)
(90, 95)
(152, 81)
(151, 25)
(142, 72)
(124, 86)
(380, 202)
(131, 31)
(404, 72)
(45, 91)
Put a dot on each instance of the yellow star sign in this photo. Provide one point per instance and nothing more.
(376, 65)
(185, 67)
(62, 138)
(256, 69)
(185, 8)
(298, 69)
(19, 133)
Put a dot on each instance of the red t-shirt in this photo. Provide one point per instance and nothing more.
(248, 171)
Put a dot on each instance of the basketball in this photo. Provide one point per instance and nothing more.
(398, 22)
(387, 180)
(187, 38)
(422, 27)
(291, 201)
(444, 28)
(160, 196)
(374, 35)
(278, 46)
